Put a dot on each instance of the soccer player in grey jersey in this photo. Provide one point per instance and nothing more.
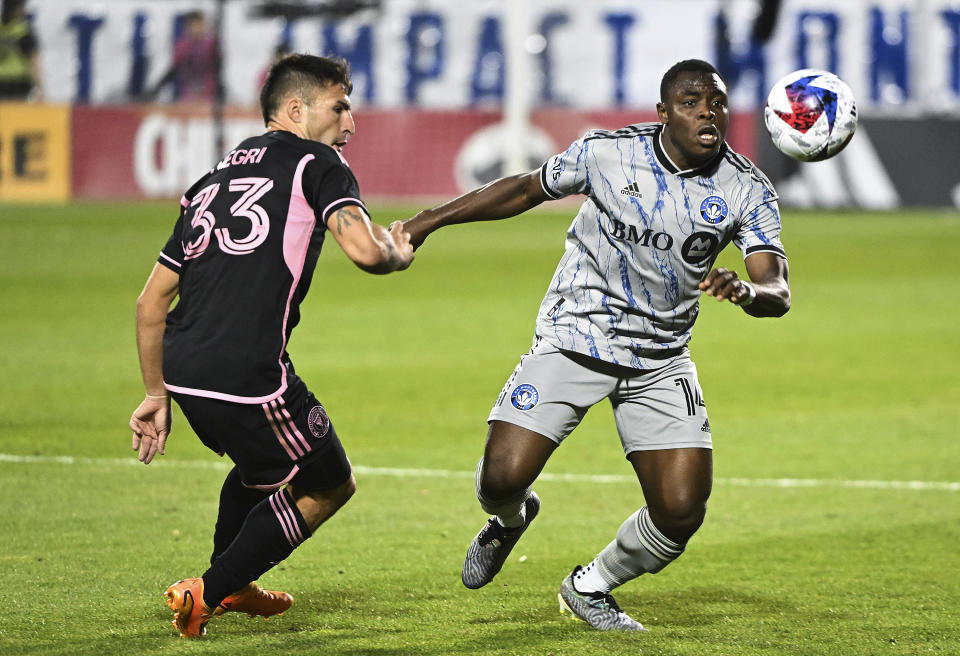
(662, 200)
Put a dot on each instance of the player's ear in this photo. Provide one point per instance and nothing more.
(293, 108)
(662, 113)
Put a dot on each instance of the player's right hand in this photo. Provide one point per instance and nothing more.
(418, 234)
(150, 424)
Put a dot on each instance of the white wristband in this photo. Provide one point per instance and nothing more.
(751, 294)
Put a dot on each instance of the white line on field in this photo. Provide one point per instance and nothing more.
(945, 486)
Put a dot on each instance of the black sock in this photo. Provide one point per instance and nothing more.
(236, 502)
(272, 530)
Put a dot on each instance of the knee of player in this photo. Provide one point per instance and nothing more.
(500, 484)
(326, 502)
(679, 519)
(683, 504)
(346, 490)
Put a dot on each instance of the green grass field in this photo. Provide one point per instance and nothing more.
(857, 383)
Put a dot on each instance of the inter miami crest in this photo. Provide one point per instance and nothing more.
(318, 421)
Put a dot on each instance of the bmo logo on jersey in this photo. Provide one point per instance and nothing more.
(659, 240)
(696, 249)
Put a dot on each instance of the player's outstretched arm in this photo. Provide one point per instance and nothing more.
(372, 247)
(499, 199)
(766, 295)
(150, 422)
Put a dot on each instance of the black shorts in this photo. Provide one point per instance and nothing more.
(287, 440)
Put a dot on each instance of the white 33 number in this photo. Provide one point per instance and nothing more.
(253, 189)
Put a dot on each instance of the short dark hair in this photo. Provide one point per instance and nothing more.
(685, 66)
(298, 74)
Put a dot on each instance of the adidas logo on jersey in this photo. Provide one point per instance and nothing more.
(632, 189)
(706, 426)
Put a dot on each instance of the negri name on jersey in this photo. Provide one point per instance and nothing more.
(239, 156)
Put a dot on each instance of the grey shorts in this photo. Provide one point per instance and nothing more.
(550, 392)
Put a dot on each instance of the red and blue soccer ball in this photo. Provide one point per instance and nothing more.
(810, 114)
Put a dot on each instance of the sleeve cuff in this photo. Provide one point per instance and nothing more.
(764, 248)
(169, 262)
(543, 183)
(340, 203)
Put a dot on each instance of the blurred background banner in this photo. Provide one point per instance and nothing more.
(34, 152)
(160, 150)
(442, 54)
(448, 94)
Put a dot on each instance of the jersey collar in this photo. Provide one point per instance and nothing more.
(706, 170)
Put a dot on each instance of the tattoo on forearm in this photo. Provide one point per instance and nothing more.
(345, 216)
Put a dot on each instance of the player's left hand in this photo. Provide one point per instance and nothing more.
(724, 284)
(150, 424)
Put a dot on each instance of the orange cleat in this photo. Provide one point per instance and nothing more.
(190, 614)
(254, 600)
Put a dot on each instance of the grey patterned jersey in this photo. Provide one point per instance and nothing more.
(626, 290)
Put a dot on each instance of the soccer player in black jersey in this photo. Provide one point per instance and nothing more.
(240, 258)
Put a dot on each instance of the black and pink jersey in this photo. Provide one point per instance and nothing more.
(245, 247)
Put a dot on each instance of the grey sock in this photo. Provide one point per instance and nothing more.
(639, 548)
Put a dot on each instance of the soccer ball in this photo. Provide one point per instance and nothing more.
(810, 114)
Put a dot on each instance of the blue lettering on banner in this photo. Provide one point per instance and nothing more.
(488, 68)
(619, 23)
(140, 65)
(179, 27)
(424, 60)
(822, 22)
(85, 27)
(952, 19)
(889, 50)
(360, 56)
(286, 36)
(550, 22)
(733, 66)
(812, 33)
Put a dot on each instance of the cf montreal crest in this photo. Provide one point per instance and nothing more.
(318, 421)
(713, 209)
(524, 397)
